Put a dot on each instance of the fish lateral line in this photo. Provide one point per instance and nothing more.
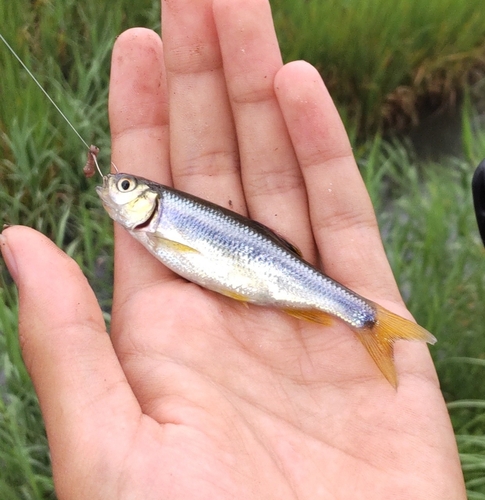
(231, 249)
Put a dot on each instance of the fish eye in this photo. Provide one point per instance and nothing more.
(125, 184)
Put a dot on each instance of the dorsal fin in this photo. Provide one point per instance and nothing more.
(268, 232)
(278, 238)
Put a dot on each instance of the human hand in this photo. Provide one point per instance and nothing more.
(196, 395)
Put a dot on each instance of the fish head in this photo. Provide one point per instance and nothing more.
(129, 200)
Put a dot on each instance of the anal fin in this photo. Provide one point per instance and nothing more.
(313, 315)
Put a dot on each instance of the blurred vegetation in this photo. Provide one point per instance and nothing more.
(386, 64)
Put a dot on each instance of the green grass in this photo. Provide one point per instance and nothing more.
(424, 210)
(383, 61)
(426, 217)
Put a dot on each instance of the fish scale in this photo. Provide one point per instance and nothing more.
(279, 277)
(241, 258)
(237, 257)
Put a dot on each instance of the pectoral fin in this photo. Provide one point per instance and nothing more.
(174, 245)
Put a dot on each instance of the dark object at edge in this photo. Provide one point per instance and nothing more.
(478, 190)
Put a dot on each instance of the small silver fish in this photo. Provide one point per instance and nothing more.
(243, 259)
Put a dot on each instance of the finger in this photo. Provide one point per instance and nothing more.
(272, 179)
(341, 212)
(81, 387)
(138, 106)
(203, 145)
(140, 133)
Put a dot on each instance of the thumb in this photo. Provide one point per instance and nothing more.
(82, 390)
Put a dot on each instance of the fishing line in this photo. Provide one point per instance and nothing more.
(42, 88)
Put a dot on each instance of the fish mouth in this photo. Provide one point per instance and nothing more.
(108, 204)
(101, 191)
(149, 219)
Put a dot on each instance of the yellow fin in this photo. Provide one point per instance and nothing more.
(379, 339)
(313, 315)
(382, 352)
(234, 295)
(175, 245)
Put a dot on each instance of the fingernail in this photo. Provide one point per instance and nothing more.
(8, 257)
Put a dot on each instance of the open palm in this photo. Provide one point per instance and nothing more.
(194, 395)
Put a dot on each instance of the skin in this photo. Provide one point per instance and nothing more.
(195, 396)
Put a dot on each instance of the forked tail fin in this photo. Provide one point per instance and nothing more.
(379, 339)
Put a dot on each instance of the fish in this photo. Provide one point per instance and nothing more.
(227, 253)
(245, 260)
